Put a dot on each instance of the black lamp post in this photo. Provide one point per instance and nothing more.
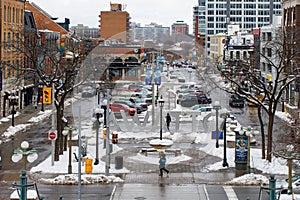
(217, 107)
(161, 102)
(97, 123)
(13, 102)
(104, 107)
(225, 163)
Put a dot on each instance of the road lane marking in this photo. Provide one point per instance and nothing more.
(230, 193)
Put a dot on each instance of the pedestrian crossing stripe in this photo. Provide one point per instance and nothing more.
(230, 193)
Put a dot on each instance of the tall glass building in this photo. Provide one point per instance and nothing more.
(213, 15)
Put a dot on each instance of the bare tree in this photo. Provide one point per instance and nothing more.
(52, 66)
(254, 89)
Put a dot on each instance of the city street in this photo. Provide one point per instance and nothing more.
(184, 178)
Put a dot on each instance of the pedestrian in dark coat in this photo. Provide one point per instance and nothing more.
(168, 120)
(162, 164)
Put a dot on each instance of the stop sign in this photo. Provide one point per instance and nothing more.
(52, 135)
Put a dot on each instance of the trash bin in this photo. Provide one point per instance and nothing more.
(88, 165)
(118, 162)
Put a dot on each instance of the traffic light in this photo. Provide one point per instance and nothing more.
(47, 95)
(115, 138)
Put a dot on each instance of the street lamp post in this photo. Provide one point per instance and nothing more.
(161, 102)
(217, 107)
(12, 100)
(24, 153)
(290, 150)
(65, 132)
(104, 107)
(225, 163)
(289, 154)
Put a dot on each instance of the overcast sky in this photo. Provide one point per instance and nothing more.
(164, 12)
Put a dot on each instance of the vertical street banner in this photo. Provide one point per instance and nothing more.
(157, 76)
(241, 148)
(148, 78)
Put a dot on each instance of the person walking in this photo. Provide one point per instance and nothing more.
(168, 120)
(162, 164)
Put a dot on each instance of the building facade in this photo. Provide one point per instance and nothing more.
(248, 14)
(267, 34)
(115, 25)
(291, 30)
(217, 43)
(180, 27)
(150, 31)
(85, 32)
(12, 28)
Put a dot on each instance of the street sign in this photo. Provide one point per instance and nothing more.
(214, 135)
(52, 135)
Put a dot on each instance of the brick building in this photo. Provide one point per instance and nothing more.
(291, 30)
(12, 26)
(115, 25)
(180, 27)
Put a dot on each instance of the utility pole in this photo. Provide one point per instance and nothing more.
(107, 160)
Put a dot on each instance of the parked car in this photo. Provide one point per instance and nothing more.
(202, 107)
(130, 104)
(236, 101)
(88, 92)
(139, 102)
(191, 100)
(181, 80)
(117, 107)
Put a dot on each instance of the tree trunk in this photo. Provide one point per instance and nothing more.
(270, 136)
(262, 131)
(59, 140)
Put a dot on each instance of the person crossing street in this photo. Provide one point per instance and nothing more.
(162, 164)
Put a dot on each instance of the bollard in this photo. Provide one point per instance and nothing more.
(23, 186)
(272, 187)
(88, 165)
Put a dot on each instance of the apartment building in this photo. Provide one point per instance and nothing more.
(152, 31)
(85, 32)
(249, 14)
(180, 27)
(115, 25)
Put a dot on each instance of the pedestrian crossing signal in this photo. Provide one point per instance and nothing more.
(47, 95)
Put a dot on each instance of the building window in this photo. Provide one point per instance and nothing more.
(238, 55)
(5, 16)
(269, 52)
(4, 40)
(263, 51)
(269, 36)
(231, 55)
(245, 55)
(270, 68)
(8, 41)
(13, 16)
(263, 36)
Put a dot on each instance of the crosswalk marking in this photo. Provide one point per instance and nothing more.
(230, 193)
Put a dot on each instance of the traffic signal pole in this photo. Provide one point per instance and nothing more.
(53, 127)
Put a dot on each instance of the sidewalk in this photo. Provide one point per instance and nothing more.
(21, 117)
